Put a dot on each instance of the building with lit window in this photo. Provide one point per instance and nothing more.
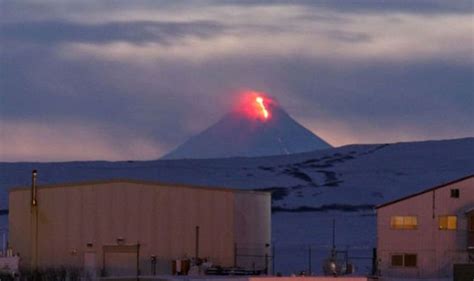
(423, 235)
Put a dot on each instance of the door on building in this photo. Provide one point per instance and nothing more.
(90, 264)
(121, 260)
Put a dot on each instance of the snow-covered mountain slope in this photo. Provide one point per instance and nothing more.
(247, 133)
(346, 178)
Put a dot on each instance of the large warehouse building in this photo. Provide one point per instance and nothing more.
(117, 227)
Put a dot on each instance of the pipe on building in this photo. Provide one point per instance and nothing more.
(196, 254)
(34, 192)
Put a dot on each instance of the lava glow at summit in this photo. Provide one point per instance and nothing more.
(255, 105)
(263, 109)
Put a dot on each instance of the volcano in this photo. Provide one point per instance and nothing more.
(258, 126)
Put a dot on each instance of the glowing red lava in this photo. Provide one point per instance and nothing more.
(263, 109)
(255, 105)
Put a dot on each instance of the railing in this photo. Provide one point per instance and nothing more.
(253, 257)
(304, 259)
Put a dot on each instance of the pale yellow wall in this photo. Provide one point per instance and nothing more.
(437, 250)
(161, 218)
(19, 223)
(252, 220)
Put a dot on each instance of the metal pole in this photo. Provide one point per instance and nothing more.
(309, 261)
(235, 254)
(196, 254)
(33, 188)
(266, 264)
(273, 259)
(103, 273)
(138, 260)
(153, 264)
(333, 233)
(34, 223)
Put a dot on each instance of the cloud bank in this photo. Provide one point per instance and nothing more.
(132, 80)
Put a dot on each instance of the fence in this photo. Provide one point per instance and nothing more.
(307, 259)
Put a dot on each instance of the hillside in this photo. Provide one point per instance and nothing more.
(356, 175)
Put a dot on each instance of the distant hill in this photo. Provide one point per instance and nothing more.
(345, 178)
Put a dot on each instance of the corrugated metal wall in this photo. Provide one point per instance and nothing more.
(162, 219)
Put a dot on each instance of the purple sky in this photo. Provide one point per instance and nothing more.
(117, 80)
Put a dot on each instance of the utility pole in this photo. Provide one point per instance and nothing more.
(34, 224)
(310, 262)
(196, 252)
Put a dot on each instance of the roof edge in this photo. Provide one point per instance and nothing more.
(425, 191)
(143, 182)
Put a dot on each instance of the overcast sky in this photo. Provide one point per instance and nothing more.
(118, 80)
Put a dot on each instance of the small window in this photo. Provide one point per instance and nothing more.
(404, 222)
(397, 260)
(455, 193)
(404, 260)
(448, 222)
(410, 260)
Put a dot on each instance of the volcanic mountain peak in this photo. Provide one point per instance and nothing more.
(258, 126)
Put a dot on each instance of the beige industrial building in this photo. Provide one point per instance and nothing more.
(424, 235)
(117, 227)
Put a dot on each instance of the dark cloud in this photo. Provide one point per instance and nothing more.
(386, 6)
(346, 36)
(51, 32)
(170, 102)
(164, 97)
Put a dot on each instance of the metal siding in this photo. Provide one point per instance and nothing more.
(161, 218)
(252, 228)
(19, 223)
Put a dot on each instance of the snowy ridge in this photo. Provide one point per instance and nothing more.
(345, 178)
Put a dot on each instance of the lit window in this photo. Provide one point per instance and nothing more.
(448, 222)
(404, 222)
(404, 260)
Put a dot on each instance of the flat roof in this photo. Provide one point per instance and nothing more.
(424, 191)
(142, 182)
